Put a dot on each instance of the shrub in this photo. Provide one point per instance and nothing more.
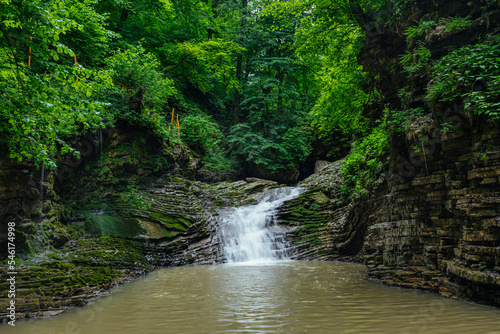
(420, 29)
(470, 74)
(416, 61)
(456, 23)
(400, 121)
(132, 69)
(203, 135)
(363, 166)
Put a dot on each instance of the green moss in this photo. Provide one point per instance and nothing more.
(112, 252)
(54, 256)
(55, 277)
(115, 225)
(173, 222)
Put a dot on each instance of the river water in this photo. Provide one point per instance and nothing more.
(279, 297)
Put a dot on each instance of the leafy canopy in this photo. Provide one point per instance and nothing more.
(45, 96)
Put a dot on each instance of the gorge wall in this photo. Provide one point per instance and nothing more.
(435, 224)
(106, 218)
(432, 223)
(433, 220)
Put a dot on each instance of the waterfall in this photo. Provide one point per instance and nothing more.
(251, 233)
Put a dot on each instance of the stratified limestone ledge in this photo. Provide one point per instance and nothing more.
(444, 218)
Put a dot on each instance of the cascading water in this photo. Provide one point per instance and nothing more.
(251, 234)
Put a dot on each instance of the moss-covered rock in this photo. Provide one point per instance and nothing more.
(315, 220)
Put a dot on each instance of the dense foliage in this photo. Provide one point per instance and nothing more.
(47, 95)
(471, 74)
(253, 81)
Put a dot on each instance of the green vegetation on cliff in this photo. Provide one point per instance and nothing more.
(126, 106)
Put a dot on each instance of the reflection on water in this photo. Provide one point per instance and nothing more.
(282, 297)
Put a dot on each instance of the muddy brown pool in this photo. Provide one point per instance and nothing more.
(274, 297)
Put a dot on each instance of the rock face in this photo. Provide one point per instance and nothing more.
(320, 164)
(436, 226)
(385, 43)
(109, 217)
(322, 224)
(21, 194)
(288, 176)
(123, 240)
(199, 205)
(433, 222)
(315, 221)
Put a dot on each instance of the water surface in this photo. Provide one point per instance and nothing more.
(277, 297)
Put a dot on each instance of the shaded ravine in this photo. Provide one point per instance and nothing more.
(284, 297)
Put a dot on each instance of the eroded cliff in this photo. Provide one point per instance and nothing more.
(432, 221)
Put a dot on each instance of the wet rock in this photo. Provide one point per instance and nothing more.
(437, 229)
(444, 220)
(320, 164)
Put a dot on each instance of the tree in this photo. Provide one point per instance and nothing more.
(45, 91)
(328, 38)
(273, 101)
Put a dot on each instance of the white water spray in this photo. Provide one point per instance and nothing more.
(251, 234)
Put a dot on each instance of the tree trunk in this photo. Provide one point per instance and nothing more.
(239, 68)
(124, 15)
(210, 30)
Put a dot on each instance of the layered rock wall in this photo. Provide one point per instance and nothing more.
(437, 225)
(433, 223)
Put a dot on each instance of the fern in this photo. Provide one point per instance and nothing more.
(456, 23)
(420, 29)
